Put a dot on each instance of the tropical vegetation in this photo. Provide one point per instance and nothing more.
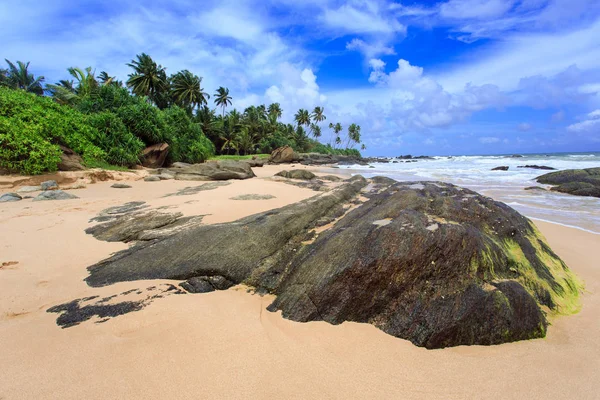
(109, 122)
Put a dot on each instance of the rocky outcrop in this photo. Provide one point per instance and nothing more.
(502, 168)
(154, 156)
(220, 170)
(283, 154)
(579, 182)
(70, 161)
(537, 167)
(54, 195)
(297, 174)
(426, 261)
(256, 162)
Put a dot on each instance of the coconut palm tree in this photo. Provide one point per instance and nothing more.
(148, 79)
(3, 77)
(186, 90)
(302, 117)
(20, 78)
(274, 110)
(222, 98)
(337, 128)
(353, 134)
(317, 114)
(315, 130)
(71, 92)
(205, 116)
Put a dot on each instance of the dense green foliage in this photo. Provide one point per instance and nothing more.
(110, 124)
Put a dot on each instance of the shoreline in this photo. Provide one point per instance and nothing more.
(225, 344)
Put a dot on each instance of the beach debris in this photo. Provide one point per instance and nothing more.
(54, 195)
(49, 185)
(7, 197)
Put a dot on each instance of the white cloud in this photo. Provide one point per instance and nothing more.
(366, 19)
(478, 9)
(524, 127)
(370, 50)
(489, 140)
(590, 126)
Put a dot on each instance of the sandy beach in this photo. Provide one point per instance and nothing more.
(225, 344)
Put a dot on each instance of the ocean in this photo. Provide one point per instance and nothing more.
(474, 172)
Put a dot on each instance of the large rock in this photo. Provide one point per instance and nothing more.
(69, 160)
(297, 174)
(154, 156)
(429, 262)
(220, 170)
(283, 154)
(579, 182)
(49, 185)
(54, 195)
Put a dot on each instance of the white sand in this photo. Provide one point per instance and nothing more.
(225, 344)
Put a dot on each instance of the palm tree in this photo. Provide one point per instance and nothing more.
(104, 78)
(67, 92)
(148, 79)
(222, 98)
(337, 128)
(353, 134)
(317, 114)
(205, 116)
(315, 130)
(186, 90)
(20, 78)
(275, 111)
(3, 77)
(302, 117)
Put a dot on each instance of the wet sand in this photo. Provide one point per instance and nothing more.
(225, 344)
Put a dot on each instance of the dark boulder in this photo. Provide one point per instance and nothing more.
(154, 156)
(537, 167)
(297, 174)
(69, 160)
(49, 185)
(502, 168)
(427, 261)
(205, 284)
(579, 182)
(120, 186)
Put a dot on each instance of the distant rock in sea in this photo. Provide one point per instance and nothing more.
(537, 167)
(503, 168)
(578, 182)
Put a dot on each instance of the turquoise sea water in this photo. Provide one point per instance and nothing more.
(474, 172)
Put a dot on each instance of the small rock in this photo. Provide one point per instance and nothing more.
(535, 188)
(166, 177)
(54, 195)
(10, 197)
(152, 178)
(297, 174)
(49, 185)
(28, 189)
(120, 186)
(502, 168)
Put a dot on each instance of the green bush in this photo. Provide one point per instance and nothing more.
(120, 145)
(107, 98)
(23, 148)
(38, 124)
(144, 121)
(185, 138)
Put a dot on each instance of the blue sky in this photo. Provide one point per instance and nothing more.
(420, 77)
